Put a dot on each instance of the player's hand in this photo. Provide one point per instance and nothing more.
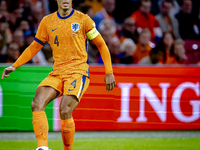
(110, 81)
(8, 70)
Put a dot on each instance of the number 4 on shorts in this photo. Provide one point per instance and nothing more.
(74, 83)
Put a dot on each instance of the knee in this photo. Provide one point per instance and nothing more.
(65, 113)
(37, 105)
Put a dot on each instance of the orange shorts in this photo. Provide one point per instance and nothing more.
(75, 84)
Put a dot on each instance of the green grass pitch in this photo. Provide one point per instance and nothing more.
(108, 144)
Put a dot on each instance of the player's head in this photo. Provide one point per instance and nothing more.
(64, 4)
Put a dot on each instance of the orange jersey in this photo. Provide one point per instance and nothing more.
(68, 40)
(68, 37)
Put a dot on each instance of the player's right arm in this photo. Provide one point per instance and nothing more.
(39, 41)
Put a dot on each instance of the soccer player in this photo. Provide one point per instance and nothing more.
(67, 31)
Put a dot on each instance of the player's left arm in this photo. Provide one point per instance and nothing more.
(105, 55)
(96, 37)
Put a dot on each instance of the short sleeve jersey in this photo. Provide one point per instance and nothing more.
(68, 40)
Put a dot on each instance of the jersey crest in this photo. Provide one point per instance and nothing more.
(75, 26)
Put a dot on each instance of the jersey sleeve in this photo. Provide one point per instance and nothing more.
(90, 28)
(105, 54)
(42, 35)
(39, 41)
(28, 54)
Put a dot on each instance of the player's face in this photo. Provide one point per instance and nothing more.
(64, 4)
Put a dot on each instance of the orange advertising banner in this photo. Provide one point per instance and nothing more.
(145, 98)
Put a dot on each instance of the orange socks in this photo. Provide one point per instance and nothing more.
(41, 127)
(68, 129)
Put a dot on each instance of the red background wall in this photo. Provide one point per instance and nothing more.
(100, 109)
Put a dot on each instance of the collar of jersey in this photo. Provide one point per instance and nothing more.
(65, 16)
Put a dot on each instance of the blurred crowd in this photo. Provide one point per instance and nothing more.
(136, 31)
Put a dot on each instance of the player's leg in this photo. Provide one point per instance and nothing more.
(67, 106)
(40, 124)
(74, 88)
(47, 90)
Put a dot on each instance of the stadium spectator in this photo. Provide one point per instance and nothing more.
(179, 52)
(108, 25)
(114, 49)
(128, 30)
(127, 48)
(189, 27)
(26, 26)
(156, 54)
(107, 28)
(15, 14)
(3, 9)
(143, 47)
(18, 37)
(37, 13)
(105, 13)
(144, 19)
(168, 23)
(5, 35)
(27, 9)
(12, 53)
(167, 44)
(174, 9)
